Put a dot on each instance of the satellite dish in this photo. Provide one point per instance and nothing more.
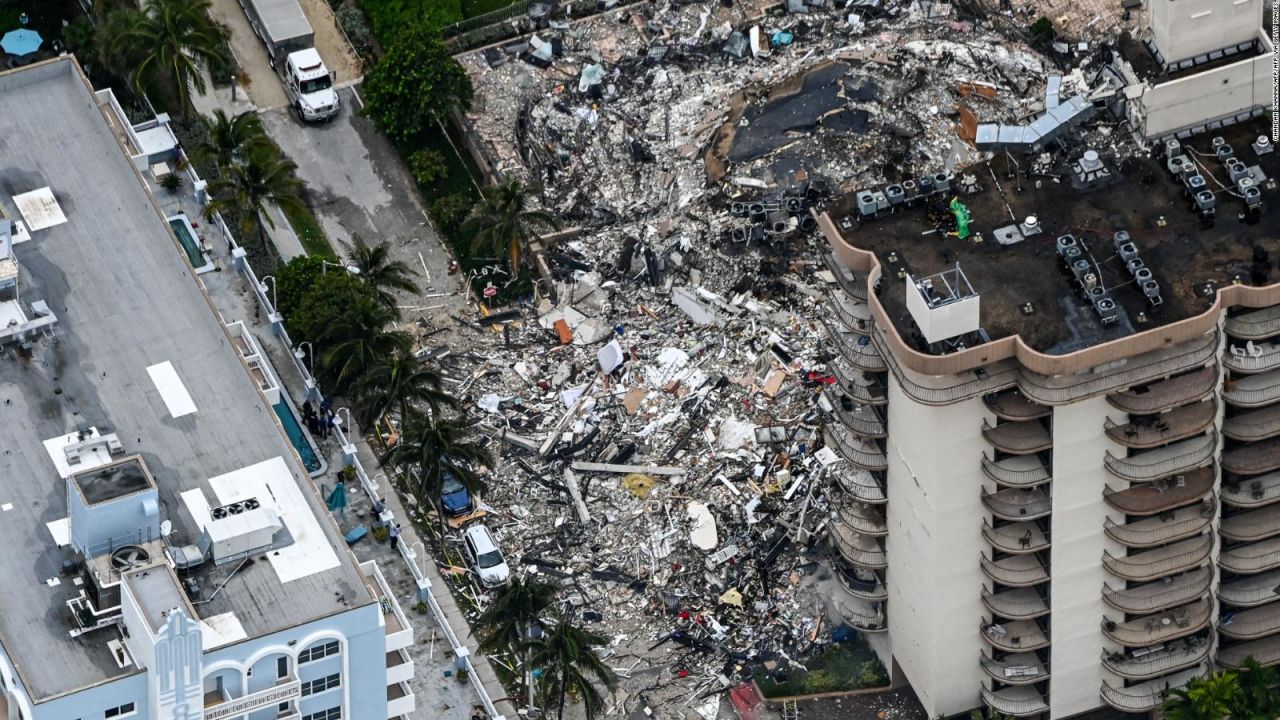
(166, 528)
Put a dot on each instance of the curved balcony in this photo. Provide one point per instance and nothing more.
(1177, 457)
(1169, 625)
(857, 384)
(1266, 651)
(1138, 369)
(1251, 590)
(1015, 701)
(1165, 560)
(1167, 394)
(859, 452)
(1015, 669)
(947, 389)
(1162, 528)
(861, 421)
(1253, 459)
(1019, 471)
(1020, 604)
(1018, 438)
(853, 314)
(1252, 493)
(862, 519)
(1253, 390)
(859, 550)
(865, 616)
(1162, 495)
(1146, 696)
(1252, 526)
(860, 583)
(1015, 504)
(1177, 655)
(1015, 571)
(1157, 596)
(1015, 538)
(1250, 358)
(1251, 624)
(1254, 425)
(859, 484)
(1016, 636)
(1156, 430)
(1251, 559)
(854, 347)
(1255, 325)
(1012, 405)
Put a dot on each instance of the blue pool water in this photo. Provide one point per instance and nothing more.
(186, 235)
(297, 436)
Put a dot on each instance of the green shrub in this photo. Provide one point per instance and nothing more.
(389, 17)
(450, 211)
(428, 166)
(356, 26)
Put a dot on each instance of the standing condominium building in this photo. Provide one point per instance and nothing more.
(166, 554)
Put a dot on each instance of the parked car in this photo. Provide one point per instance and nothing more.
(454, 496)
(485, 557)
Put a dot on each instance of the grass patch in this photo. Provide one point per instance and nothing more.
(308, 229)
(472, 8)
(842, 666)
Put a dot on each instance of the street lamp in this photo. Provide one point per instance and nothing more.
(325, 265)
(272, 278)
(309, 356)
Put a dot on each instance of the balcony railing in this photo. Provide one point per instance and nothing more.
(1249, 358)
(946, 390)
(1166, 394)
(865, 616)
(1154, 431)
(854, 347)
(1016, 636)
(1249, 559)
(1157, 596)
(1177, 655)
(852, 314)
(1165, 560)
(1178, 457)
(1015, 571)
(1253, 390)
(1252, 493)
(860, 550)
(853, 283)
(859, 582)
(1154, 629)
(862, 421)
(1250, 624)
(1020, 604)
(1016, 669)
(1146, 696)
(1251, 590)
(1019, 471)
(1253, 459)
(863, 388)
(280, 692)
(1015, 538)
(1253, 525)
(862, 519)
(1163, 528)
(399, 631)
(1018, 438)
(1255, 325)
(1266, 651)
(860, 452)
(1253, 425)
(1013, 405)
(1163, 495)
(1015, 701)
(859, 483)
(1017, 504)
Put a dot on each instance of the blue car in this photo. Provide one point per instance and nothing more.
(454, 497)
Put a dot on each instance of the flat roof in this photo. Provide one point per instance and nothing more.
(1145, 201)
(114, 480)
(115, 275)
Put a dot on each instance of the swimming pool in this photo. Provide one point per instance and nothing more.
(187, 237)
(301, 441)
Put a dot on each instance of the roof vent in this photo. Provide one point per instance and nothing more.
(129, 557)
(1030, 226)
(1263, 146)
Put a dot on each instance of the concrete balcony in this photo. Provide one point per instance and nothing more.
(1254, 425)
(859, 484)
(1266, 651)
(1019, 471)
(1145, 663)
(1253, 391)
(399, 667)
(856, 348)
(1167, 394)
(1018, 438)
(399, 630)
(1017, 636)
(1251, 590)
(859, 452)
(852, 283)
(222, 706)
(1252, 493)
(1017, 504)
(862, 421)
(1251, 624)
(860, 614)
(1015, 669)
(859, 385)
(1016, 571)
(859, 550)
(1169, 625)
(1163, 495)
(1251, 559)
(1254, 458)
(1255, 325)
(860, 582)
(1156, 430)
(1015, 538)
(1015, 701)
(1012, 405)
(1178, 457)
(1150, 367)
(1148, 696)
(1160, 595)
(854, 315)
(1163, 528)
(863, 519)
(1169, 559)
(400, 700)
(1020, 604)
(1252, 525)
(1248, 358)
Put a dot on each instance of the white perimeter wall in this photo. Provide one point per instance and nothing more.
(1239, 87)
(1186, 28)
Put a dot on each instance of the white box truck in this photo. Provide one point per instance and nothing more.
(284, 29)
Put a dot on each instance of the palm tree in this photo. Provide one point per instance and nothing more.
(398, 381)
(250, 187)
(177, 39)
(357, 340)
(1259, 697)
(568, 660)
(380, 272)
(510, 616)
(431, 448)
(1208, 698)
(502, 223)
(229, 140)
